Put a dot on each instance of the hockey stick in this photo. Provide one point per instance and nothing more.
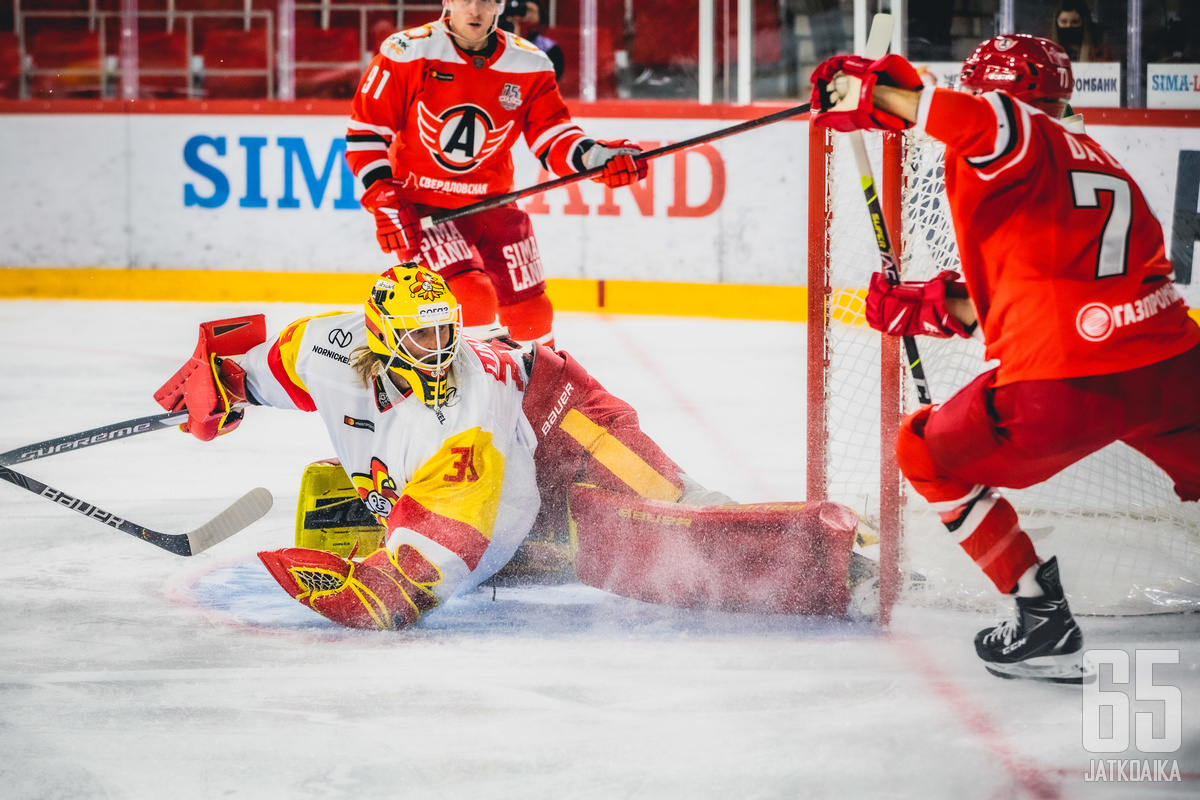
(246, 510)
(877, 46)
(511, 197)
(101, 435)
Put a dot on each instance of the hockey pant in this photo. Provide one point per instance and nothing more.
(1021, 434)
(491, 261)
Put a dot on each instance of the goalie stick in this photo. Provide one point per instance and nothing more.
(877, 47)
(101, 435)
(247, 509)
(512, 197)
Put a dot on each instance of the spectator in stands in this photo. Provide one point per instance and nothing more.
(529, 27)
(1076, 32)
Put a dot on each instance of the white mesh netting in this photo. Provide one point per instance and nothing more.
(1125, 543)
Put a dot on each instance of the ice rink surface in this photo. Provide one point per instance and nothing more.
(128, 672)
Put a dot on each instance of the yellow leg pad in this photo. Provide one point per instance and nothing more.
(329, 515)
(619, 459)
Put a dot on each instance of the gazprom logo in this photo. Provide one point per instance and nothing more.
(214, 161)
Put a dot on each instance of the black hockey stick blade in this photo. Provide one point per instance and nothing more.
(101, 435)
(512, 197)
(246, 510)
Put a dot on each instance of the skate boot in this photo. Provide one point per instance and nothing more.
(1043, 643)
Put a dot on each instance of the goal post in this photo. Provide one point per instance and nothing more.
(1124, 541)
(825, 264)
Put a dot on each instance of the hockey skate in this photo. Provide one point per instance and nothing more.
(1043, 643)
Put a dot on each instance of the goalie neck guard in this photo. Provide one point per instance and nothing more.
(414, 325)
(1033, 70)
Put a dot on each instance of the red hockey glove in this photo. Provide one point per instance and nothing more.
(842, 92)
(915, 307)
(620, 162)
(397, 225)
(210, 386)
(384, 591)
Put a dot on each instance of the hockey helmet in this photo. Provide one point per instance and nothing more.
(414, 324)
(1034, 70)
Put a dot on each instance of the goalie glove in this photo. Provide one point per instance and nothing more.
(915, 308)
(211, 386)
(843, 88)
(397, 225)
(620, 162)
(384, 591)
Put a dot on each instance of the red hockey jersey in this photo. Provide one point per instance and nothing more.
(443, 120)
(1062, 256)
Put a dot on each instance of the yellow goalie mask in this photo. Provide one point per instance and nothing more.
(414, 324)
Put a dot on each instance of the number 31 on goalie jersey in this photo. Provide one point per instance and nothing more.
(1086, 188)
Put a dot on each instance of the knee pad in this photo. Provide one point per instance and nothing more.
(477, 297)
(530, 320)
(917, 464)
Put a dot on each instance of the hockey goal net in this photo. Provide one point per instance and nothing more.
(1125, 543)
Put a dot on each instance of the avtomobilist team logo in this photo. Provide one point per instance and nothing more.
(460, 138)
(1095, 322)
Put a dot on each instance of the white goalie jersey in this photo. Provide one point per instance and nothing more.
(456, 483)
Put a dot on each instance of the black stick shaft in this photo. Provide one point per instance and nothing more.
(101, 435)
(888, 261)
(175, 543)
(511, 197)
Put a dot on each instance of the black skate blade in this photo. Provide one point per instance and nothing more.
(1070, 668)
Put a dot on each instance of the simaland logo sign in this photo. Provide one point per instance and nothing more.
(697, 185)
(689, 168)
(213, 160)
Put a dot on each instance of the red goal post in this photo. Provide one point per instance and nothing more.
(1125, 543)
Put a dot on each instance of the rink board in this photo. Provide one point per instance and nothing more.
(263, 187)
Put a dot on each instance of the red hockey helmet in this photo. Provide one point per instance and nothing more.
(1034, 70)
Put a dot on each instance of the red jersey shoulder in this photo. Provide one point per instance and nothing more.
(498, 361)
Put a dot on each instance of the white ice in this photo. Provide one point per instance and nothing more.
(128, 672)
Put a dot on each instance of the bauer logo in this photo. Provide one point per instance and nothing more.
(558, 408)
(1132, 697)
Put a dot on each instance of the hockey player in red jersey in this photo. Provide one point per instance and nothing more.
(1064, 276)
(431, 128)
(458, 446)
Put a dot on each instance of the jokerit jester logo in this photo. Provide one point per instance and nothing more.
(426, 286)
(1130, 695)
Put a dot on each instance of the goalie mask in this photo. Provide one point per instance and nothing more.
(413, 323)
(1033, 70)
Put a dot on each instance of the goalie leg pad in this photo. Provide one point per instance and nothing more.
(331, 516)
(788, 558)
(376, 593)
(586, 434)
